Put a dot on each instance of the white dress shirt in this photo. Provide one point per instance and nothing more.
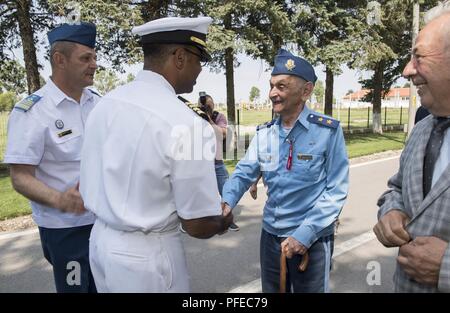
(50, 135)
(148, 159)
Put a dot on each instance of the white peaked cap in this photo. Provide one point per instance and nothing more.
(195, 24)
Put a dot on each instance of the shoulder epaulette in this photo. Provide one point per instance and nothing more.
(194, 108)
(27, 103)
(265, 125)
(323, 120)
(95, 92)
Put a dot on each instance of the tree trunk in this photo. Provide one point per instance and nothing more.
(377, 95)
(29, 50)
(329, 82)
(229, 73)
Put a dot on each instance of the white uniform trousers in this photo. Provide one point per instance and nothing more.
(137, 262)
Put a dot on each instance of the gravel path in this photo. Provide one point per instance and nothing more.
(17, 223)
(25, 222)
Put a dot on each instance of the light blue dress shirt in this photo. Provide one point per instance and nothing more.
(305, 201)
(444, 158)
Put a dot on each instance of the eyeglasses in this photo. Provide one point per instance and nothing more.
(202, 59)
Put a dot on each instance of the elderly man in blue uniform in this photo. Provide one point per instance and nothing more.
(45, 134)
(303, 161)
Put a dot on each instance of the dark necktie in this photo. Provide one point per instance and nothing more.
(432, 151)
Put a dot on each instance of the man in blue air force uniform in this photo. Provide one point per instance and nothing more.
(303, 161)
(45, 134)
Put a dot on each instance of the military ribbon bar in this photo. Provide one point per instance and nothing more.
(289, 161)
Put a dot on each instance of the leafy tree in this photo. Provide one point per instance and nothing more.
(7, 101)
(106, 80)
(254, 94)
(319, 91)
(326, 34)
(12, 77)
(114, 20)
(255, 27)
(406, 85)
(386, 51)
(20, 21)
(154, 9)
(349, 92)
(130, 78)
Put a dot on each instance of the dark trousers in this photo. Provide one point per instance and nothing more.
(314, 279)
(67, 250)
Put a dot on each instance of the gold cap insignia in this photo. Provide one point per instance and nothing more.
(290, 65)
(198, 40)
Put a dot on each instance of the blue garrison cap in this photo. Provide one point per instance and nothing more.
(82, 33)
(288, 64)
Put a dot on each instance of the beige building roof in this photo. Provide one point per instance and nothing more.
(393, 93)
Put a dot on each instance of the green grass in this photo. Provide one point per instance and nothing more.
(12, 204)
(364, 144)
(253, 117)
(359, 145)
(358, 117)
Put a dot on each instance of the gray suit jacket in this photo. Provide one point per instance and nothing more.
(429, 216)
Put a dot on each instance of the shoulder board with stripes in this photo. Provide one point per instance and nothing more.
(194, 108)
(265, 125)
(323, 120)
(27, 103)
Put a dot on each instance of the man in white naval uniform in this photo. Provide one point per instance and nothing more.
(45, 134)
(148, 164)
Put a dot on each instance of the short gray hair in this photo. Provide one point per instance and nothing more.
(64, 47)
(441, 9)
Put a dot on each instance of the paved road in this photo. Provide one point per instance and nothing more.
(231, 262)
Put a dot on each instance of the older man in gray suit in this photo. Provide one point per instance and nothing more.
(415, 212)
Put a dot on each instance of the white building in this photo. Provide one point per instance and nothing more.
(395, 98)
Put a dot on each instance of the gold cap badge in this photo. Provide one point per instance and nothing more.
(290, 65)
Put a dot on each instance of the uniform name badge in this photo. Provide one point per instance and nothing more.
(304, 157)
(65, 133)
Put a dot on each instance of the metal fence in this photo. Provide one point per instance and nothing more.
(351, 119)
(362, 118)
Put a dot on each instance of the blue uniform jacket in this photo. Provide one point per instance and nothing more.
(305, 201)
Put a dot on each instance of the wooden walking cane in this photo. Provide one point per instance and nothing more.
(283, 268)
(282, 272)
